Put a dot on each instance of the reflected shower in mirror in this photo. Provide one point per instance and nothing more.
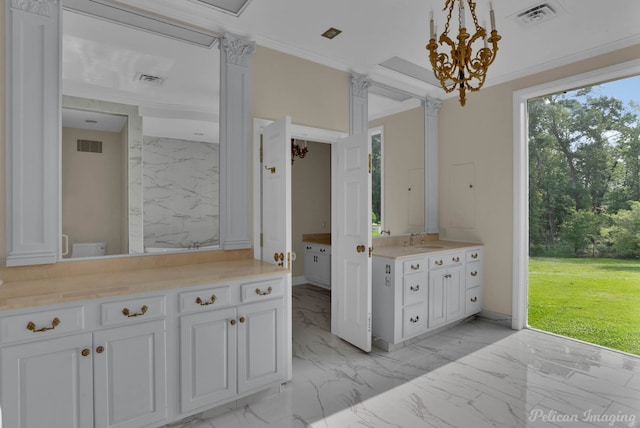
(140, 151)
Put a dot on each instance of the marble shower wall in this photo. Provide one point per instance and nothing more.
(181, 193)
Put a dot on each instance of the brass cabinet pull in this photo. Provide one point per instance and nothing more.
(360, 248)
(54, 323)
(128, 313)
(474, 255)
(242, 319)
(474, 299)
(448, 275)
(264, 293)
(474, 273)
(271, 169)
(232, 322)
(455, 259)
(85, 352)
(211, 301)
(416, 288)
(416, 267)
(100, 349)
(439, 262)
(414, 320)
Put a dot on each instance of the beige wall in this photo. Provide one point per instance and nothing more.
(312, 94)
(481, 135)
(91, 189)
(3, 134)
(403, 157)
(311, 198)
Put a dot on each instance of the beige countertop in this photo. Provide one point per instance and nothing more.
(47, 291)
(429, 247)
(317, 238)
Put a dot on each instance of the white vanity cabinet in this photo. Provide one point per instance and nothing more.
(66, 370)
(116, 362)
(317, 264)
(446, 288)
(414, 294)
(233, 342)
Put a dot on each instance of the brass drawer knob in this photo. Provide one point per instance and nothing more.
(100, 349)
(439, 262)
(232, 322)
(85, 352)
(474, 273)
(242, 319)
(416, 288)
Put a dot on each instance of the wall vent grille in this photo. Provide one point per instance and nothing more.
(90, 146)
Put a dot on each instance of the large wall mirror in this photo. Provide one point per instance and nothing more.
(140, 140)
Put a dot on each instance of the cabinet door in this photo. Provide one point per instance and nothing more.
(455, 295)
(261, 332)
(324, 269)
(130, 375)
(437, 298)
(48, 383)
(311, 265)
(208, 361)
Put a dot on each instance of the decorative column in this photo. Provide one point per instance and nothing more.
(33, 114)
(359, 104)
(235, 142)
(431, 107)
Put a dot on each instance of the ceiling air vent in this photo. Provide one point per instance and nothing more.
(149, 79)
(90, 146)
(537, 14)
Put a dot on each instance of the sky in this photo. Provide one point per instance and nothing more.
(624, 89)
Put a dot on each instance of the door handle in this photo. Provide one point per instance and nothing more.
(360, 248)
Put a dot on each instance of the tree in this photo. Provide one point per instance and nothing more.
(624, 234)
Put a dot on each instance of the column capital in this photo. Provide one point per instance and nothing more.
(238, 51)
(431, 105)
(359, 84)
(39, 7)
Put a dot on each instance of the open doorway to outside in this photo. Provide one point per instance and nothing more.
(584, 213)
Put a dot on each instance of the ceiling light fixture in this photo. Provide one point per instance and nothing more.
(331, 33)
(461, 69)
(298, 151)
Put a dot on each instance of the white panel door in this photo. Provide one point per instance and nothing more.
(351, 240)
(48, 384)
(276, 191)
(130, 375)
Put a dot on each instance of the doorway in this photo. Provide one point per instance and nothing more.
(521, 174)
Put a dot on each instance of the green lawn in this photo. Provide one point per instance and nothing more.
(595, 300)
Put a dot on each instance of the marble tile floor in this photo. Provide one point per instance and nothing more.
(474, 375)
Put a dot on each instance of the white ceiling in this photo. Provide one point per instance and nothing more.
(373, 32)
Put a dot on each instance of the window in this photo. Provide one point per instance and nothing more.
(377, 175)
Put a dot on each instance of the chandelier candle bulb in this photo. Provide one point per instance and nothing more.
(492, 16)
(432, 28)
(461, 10)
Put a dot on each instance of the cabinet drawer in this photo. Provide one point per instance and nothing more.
(473, 276)
(414, 288)
(414, 319)
(133, 310)
(319, 248)
(414, 265)
(39, 325)
(474, 255)
(473, 301)
(208, 298)
(447, 259)
(262, 290)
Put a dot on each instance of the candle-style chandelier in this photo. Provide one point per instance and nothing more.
(297, 150)
(462, 69)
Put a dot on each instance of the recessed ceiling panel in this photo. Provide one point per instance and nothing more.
(234, 7)
(103, 9)
(410, 69)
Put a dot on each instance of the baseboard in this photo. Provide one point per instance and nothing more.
(298, 280)
(495, 317)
